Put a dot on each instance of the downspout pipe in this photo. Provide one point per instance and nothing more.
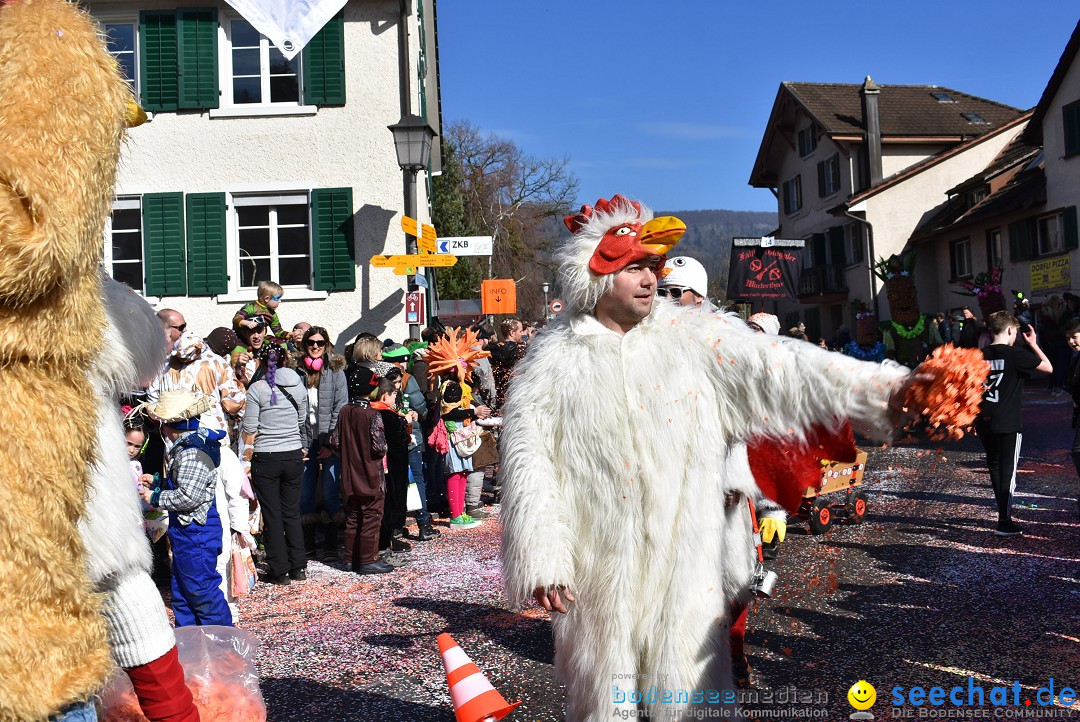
(870, 257)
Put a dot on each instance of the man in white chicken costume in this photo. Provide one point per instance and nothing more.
(623, 470)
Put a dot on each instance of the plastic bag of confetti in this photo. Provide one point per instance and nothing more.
(219, 668)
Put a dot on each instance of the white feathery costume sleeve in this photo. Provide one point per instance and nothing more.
(117, 549)
(617, 452)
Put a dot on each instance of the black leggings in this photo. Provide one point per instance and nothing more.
(1002, 453)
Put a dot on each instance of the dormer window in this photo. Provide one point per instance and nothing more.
(974, 118)
(975, 196)
(943, 97)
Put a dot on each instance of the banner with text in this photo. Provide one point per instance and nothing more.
(1050, 274)
(763, 271)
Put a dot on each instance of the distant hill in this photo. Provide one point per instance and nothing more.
(708, 239)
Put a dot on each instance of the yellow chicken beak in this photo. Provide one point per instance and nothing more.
(135, 115)
(661, 234)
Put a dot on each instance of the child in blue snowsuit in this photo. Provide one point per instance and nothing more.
(194, 524)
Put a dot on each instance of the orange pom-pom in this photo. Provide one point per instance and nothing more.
(949, 404)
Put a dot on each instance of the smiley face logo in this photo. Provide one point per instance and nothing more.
(862, 695)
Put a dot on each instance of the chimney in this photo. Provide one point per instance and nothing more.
(872, 121)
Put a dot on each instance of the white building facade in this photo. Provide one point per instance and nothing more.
(253, 167)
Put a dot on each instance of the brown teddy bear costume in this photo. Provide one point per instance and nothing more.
(62, 117)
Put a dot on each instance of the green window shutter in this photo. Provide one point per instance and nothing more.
(1071, 117)
(333, 257)
(836, 244)
(163, 244)
(196, 30)
(323, 65)
(158, 78)
(821, 179)
(1068, 219)
(207, 264)
(1020, 240)
(819, 254)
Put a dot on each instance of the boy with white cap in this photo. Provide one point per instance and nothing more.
(685, 281)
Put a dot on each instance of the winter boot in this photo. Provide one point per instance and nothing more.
(309, 527)
(329, 552)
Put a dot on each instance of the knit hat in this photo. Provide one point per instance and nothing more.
(222, 341)
(767, 322)
(686, 272)
(179, 408)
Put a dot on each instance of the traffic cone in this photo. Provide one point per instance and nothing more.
(475, 700)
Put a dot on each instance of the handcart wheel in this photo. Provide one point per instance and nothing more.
(821, 517)
(856, 506)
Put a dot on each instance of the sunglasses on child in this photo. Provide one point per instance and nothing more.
(673, 291)
(316, 342)
(275, 298)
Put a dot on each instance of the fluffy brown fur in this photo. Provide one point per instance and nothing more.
(62, 107)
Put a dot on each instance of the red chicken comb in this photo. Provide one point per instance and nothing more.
(576, 222)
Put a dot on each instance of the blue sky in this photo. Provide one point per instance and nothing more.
(667, 101)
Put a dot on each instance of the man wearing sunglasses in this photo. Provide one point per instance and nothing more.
(686, 283)
(174, 324)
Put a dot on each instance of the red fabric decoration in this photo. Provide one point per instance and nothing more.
(162, 692)
(785, 470)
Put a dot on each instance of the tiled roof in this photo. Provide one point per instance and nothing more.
(1016, 152)
(933, 160)
(905, 110)
(1026, 190)
(1034, 132)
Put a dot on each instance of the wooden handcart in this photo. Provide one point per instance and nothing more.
(821, 504)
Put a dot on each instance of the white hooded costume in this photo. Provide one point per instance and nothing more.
(617, 453)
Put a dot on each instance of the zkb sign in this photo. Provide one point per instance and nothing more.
(465, 245)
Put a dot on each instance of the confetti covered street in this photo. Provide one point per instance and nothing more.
(922, 593)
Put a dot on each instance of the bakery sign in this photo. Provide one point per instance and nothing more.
(1049, 274)
(764, 269)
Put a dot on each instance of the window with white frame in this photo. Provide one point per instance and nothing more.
(122, 40)
(1049, 236)
(793, 195)
(807, 140)
(829, 176)
(993, 249)
(124, 242)
(273, 240)
(960, 257)
(254, 72)
(856, 242)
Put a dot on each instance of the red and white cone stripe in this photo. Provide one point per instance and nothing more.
(474, 698)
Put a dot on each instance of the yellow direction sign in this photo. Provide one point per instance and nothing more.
(407, 265)
(425, 235)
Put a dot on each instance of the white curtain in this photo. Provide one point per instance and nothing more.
(289, 24)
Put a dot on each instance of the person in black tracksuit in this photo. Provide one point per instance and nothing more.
(1072, 385)
(998, 424)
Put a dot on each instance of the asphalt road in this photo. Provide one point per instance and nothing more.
(921, 594)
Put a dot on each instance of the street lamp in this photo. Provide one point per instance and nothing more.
(412, 142)
(545, 288)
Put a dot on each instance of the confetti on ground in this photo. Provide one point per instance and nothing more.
(917, 594)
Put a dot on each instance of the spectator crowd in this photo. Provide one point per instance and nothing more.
(269, 440)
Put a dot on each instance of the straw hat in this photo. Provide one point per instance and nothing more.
(179, 405)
